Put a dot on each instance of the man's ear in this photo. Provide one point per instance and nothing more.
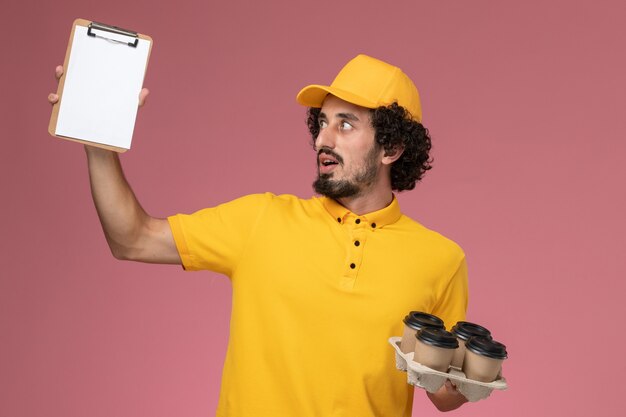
(392, 155)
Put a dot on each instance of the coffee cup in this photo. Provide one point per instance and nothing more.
(483, 358)
(413, 322)
(434, 348)
(463, 330)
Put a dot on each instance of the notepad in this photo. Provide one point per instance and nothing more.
(104, 73)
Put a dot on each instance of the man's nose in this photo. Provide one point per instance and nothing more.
(325, 139)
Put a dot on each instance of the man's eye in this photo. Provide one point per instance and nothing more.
(323, 123)
(346, 126)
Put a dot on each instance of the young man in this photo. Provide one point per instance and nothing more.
(319, 285)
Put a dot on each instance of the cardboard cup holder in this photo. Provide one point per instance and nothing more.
(431, 380)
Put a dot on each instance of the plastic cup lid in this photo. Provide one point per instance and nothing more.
(464, 330)
(437, 337)
(486, 347)
(417, 319)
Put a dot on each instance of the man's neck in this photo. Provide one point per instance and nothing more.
(367, 203)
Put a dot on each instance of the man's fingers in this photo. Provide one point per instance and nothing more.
(450, 386)
(58, 72)
(143, 94)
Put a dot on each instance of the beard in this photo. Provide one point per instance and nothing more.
(353, 187)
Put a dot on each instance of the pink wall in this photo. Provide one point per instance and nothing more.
(525, 102)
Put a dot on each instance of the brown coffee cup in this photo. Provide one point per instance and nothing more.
(434, 348)
(413, 322)
(463, 330)
(483, 359)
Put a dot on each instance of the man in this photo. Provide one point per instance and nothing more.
(319, 285)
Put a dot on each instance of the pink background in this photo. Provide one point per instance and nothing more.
(524, 100)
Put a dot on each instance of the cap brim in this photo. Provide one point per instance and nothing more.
(314, 95)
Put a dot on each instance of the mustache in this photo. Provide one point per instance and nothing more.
(330, 152)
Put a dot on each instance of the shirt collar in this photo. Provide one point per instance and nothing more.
(375, 219)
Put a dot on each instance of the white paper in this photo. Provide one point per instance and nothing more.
(101, 92)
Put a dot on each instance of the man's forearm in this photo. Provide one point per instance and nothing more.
(121, 215)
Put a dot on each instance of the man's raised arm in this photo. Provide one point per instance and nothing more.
(131, 233)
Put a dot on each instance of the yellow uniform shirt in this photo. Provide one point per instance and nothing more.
(317, 292)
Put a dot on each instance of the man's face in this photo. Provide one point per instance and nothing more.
(348, 158)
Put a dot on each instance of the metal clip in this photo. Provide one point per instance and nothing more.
(113, 29)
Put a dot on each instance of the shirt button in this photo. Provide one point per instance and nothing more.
(374, 225)
(357, 221)
(339, 219)
(352, 266)
(357, 243)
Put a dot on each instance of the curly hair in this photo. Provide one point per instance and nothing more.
(394, 128)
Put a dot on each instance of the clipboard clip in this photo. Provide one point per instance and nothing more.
(113, 29)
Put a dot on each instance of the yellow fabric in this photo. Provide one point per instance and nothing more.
(308, 333)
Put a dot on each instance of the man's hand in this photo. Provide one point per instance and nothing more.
(448, 398)
(53, 98)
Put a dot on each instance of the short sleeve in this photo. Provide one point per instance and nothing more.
(215, 238)
(452, 301)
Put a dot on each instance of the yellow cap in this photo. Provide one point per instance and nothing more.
(367, 82)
